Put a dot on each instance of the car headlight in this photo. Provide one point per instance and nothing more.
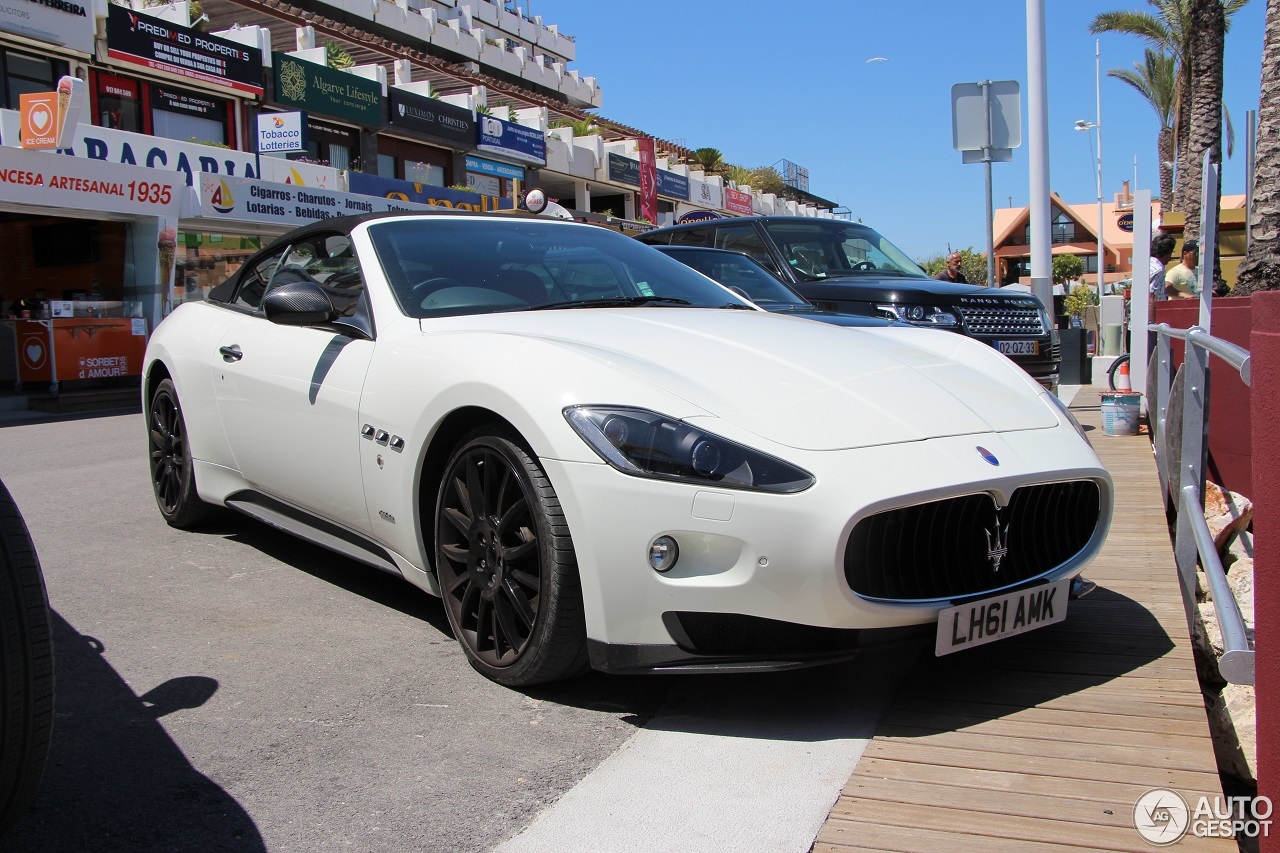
(921, 315)
(646, 444)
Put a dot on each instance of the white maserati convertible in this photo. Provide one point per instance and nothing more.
(597, 457)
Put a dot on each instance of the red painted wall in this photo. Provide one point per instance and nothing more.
(1264, 346)
(1230, 436)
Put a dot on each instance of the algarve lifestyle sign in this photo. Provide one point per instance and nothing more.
(319, 89)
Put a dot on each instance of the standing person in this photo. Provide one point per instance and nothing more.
(1181, 282)
(1161, 254)
(952, 272)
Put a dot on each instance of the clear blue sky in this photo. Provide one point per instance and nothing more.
(767, 81)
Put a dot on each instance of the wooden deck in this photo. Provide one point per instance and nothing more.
(1044, 742)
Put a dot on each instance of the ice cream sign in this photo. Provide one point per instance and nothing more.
(49, 119)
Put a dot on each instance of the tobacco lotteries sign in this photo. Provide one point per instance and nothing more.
(152, 43)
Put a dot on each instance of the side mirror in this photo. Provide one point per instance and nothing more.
(299, 303)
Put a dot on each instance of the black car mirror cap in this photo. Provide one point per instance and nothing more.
(298, 303)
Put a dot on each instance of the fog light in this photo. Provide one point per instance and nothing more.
(663, 554)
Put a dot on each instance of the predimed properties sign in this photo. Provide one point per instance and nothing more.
(282, 132)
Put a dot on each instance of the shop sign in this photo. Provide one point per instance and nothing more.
(159, 45)
(191, 158)
(187, 104)
(512, 140)
(705, 192)
(484, 184)
(32, 177)
(49, 118)
(624, 170)
(282, 132)
(672, 185)
(391, 188)
(245, 200)
(427, 115)
(68, 23)
(1125, 223)
(81, 349)
(736, 201)
(320, 89)
(481, 166)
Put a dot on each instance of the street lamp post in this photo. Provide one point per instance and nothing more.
(1086, 126)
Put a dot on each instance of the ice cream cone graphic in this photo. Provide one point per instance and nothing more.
(167, 245)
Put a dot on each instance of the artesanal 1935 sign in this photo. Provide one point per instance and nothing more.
(320, 89)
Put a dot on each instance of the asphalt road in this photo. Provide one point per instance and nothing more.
(237, 689)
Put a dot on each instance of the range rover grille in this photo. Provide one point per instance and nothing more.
(950, 548)
(1001, 320)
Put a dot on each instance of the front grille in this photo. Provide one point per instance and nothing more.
(946, 549)
(736, 635)
(988, 320)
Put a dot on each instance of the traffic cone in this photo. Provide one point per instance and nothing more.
(1122, 377)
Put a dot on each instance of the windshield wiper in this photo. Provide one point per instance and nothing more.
(613, 302)
(737, 306)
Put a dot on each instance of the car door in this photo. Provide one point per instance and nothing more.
(289, 396)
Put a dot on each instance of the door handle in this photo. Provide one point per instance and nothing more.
(231, 353)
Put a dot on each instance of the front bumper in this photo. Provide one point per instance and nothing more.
(780, 558)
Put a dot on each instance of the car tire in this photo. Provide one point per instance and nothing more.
(26, 666)
(506, 565)
(172, 479)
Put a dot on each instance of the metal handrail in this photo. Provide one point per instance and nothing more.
(1237, 357)
(1194, 542)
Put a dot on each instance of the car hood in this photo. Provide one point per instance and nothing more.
(810, 385)
(897, 289)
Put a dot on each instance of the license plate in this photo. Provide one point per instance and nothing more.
(989, 619)
(1018, 347)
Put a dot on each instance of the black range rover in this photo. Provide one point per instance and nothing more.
(848, 267)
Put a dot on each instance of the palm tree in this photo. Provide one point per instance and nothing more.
(1208, 36)
(1261, 267)
(710, 159)
(1169, 28)
(1156, 80)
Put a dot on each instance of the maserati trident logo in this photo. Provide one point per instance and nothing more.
(997, 540)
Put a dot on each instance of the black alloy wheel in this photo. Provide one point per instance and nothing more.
(506, 565)
(172, 477)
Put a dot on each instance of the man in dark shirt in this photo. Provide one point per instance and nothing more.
(952, 272)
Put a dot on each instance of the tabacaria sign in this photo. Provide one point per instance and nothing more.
(284, 204)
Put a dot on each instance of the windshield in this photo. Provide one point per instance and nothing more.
(441, 267)
(818, 250)
(742, 275)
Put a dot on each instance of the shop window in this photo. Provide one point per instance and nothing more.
(423, 173)
(24, 74)
(387, 166)
(118, 104)
(188, 117)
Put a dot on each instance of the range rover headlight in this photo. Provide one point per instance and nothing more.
(921, 315)
(647, 444)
